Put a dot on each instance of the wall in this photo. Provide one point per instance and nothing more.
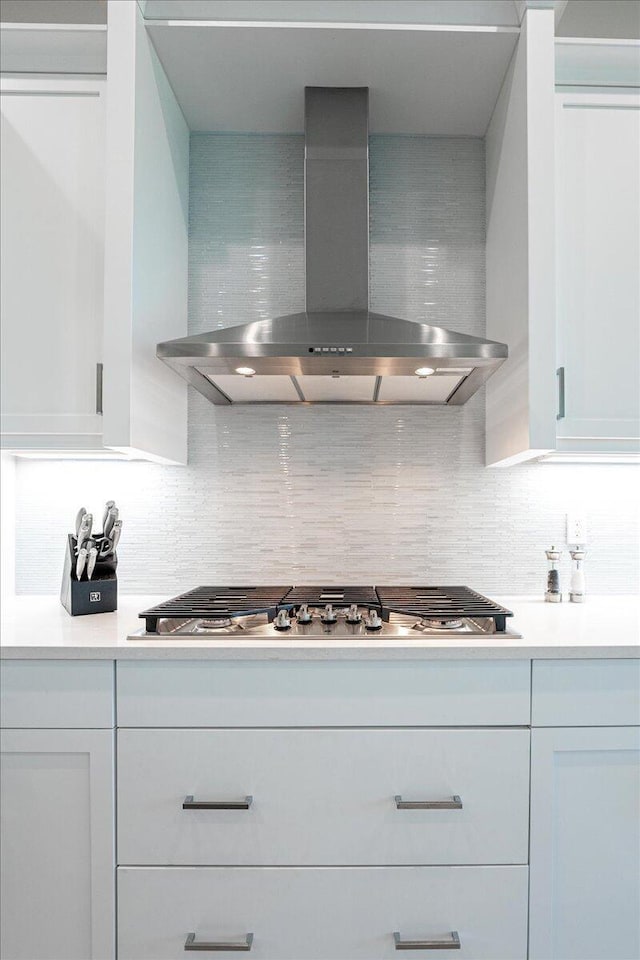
(362, 494)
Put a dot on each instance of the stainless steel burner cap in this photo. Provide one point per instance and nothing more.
(440, 624)
(208, 625)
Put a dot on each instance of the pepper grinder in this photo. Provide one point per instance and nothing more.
(553, 594)
(577, 588)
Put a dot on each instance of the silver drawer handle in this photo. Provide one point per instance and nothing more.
(453, 803)
(452, 942)
(237, 945)
(190, 804)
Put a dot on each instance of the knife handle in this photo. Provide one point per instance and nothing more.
(91, 562)
(107, 507)
(80, 562)
(79, 516)
(111, 519)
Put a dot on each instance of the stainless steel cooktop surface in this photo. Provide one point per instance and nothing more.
(325, 612)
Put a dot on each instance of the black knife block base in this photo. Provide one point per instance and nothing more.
(98, 595)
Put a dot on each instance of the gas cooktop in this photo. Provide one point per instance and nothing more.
(338, 612)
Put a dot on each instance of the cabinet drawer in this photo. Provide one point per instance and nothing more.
(585, 693)
(317, 694)
(348, 913)
(323, 796)
(57, 693)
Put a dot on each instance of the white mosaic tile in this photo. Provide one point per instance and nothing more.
(334, 494)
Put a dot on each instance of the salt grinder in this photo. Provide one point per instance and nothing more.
(577, 588)
(553, 594)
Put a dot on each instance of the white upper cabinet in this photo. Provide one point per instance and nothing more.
(563, 247)
(597, 263)
(95, 203)
(52, 209)
(94, 245)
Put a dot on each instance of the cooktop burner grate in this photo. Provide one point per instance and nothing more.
(442, 603)
(217, 603)
(439, 605)
(317, 596)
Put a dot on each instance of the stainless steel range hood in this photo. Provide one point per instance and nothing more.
(337, 351)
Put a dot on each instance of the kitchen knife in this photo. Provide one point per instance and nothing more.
(79, 515)
(114, 513)
(80, 562)
(91, 561)
(85, 530)
(107, 507)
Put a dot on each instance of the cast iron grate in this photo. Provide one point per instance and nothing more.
(442, 603)
(339, 596)
(217, 603)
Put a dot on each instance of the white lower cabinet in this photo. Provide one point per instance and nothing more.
(300, 811)
(323, 862)
(346, 913)
(585, 844)
(57, 894)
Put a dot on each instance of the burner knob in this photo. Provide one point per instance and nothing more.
(282, 621)
(328, 616)
(353, 614)
(373, 621)
(303, 614)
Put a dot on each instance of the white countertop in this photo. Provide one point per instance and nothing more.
(38, 627)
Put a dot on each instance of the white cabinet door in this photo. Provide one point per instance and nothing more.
(57, 845)
(585, 844)
(343, 913)
(597, 255)
(52, 207)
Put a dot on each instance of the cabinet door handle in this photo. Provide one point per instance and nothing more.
(452, 803)
(227, 945)
(190, 804)
(560, 375)
(99, 379)
(452, 942)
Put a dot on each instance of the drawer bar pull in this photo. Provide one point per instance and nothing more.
(452, 942)
(190, 804)
(238, 945)
(453, 803)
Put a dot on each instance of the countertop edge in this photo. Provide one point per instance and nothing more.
(521, 652)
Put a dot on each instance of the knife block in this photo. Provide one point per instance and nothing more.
(98, 595)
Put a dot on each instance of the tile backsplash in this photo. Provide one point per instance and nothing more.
(336, 493)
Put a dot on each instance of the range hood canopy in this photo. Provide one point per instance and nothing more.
(336, 351)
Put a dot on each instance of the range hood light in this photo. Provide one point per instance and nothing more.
(424, 371)
(245, 371)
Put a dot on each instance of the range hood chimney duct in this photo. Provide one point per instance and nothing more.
(336, 185)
